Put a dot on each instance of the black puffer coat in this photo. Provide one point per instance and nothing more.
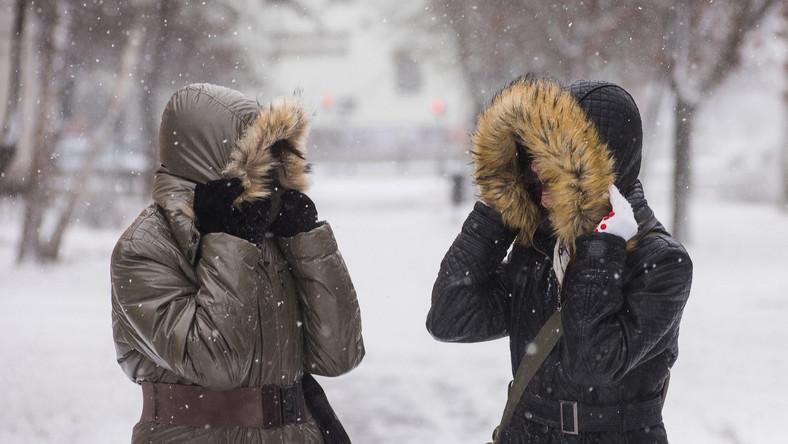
(621, 303)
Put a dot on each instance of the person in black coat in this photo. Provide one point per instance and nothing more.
(557, 170)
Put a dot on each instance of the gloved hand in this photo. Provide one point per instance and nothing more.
(296, 215)
(252, 221)
(621, 221)
(215, 213)
(213, 204)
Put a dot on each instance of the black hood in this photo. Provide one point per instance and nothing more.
(617, 119)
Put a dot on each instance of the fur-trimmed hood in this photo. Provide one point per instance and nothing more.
(209, 132)
(576, 166)
(259, 156)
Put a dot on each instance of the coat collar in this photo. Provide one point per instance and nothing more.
(174, 196)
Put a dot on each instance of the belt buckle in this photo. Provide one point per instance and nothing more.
(574, 430)
(271, 406)
(287, 404)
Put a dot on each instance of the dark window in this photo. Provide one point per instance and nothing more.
(407, 71)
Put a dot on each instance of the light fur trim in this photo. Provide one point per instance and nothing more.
(576, 167)
(252, 160)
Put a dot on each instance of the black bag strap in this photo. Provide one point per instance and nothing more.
(665, 388)
(536, 353)
(316, 401)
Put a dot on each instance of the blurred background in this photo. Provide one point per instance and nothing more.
(393, 88)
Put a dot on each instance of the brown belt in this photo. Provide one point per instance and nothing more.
(265, 407)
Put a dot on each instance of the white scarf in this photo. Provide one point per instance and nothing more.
(560, 261)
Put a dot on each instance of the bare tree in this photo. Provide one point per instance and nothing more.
(50, 250)
(176, 51)
(11, 129)
(54, 22)
(58, 64)
(81, 45)
(499, 40)
(705, 39)
(590, 37)
(151, 78)
(690, 47)
(785, 110)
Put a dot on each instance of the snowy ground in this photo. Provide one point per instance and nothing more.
(60, 382)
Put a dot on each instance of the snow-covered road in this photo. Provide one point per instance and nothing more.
(60, 382)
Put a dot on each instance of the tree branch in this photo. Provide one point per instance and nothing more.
(96, 142)
(744, 21)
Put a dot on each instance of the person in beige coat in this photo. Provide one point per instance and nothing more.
(227, 293)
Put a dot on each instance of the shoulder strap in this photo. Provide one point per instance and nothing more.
(535, 355)
(665, 388)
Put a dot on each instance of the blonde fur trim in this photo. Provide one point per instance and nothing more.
(252, 159)
(576, 167)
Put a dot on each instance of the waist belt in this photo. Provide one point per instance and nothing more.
(573, 417)
(265, 407)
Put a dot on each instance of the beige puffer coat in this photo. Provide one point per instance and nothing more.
(216, 310)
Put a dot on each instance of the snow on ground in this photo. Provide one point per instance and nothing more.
(60, 383)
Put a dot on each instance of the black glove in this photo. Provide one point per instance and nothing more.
(252, 221)
(213, 207)
(213, 204)
(296, 215)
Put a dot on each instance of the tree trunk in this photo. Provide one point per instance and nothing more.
(149, 132)
(683, 121)
(149, 105)
(655, 94)
(51, 250)
(785, 111)
(10, 132)
(785, 150)
(54, 33)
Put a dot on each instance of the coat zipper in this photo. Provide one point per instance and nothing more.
(560, 285)
(560, 291)
(560, 297)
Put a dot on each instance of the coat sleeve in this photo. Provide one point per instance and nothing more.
(612, 323)
(331, 316)
(470, 298)
(205, 330)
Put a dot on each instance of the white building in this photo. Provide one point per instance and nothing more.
(378, 86)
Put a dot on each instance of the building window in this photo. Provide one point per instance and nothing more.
(408, 74)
